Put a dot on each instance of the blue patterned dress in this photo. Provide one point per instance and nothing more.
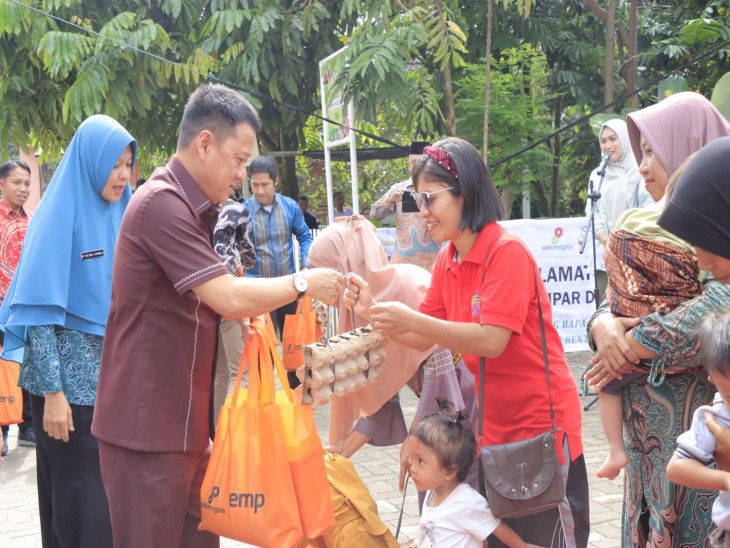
(58, 359)
(657, 408)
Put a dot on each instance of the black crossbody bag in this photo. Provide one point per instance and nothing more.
(521, 478)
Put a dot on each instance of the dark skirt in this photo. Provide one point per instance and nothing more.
(71, 499)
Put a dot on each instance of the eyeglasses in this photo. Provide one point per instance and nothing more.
(423, 199)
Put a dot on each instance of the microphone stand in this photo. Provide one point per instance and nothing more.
(593, 196)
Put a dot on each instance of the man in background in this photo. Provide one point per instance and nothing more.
(340, 209)
(311, 220)
(275, 219)
(15, 186)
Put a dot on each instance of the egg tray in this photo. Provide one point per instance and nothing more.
(344, 363)
(321, 310)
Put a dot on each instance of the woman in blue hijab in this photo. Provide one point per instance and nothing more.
(54, 317)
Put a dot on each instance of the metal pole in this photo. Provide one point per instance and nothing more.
(353, 160)
(327, 158)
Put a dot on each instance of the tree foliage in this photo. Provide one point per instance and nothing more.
(413, 69)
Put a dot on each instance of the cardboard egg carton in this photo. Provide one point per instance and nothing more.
(342, 364)
(321, 310)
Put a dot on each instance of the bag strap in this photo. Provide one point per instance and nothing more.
(482, 367)
(402, 505)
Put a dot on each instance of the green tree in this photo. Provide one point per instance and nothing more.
(520, 110)
(275, 47)
(59, 74)
(401, 59)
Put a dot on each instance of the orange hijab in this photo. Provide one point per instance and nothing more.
(351, 245)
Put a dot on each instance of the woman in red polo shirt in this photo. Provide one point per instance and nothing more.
(482, 301)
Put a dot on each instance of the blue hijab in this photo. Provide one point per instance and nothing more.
(64, 276)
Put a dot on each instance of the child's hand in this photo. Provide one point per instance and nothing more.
(405, 461)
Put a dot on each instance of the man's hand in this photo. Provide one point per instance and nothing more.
(246, 331)
(325, 284)
(57, 418)
(395, 196)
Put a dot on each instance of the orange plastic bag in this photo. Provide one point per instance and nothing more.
(247, 493)
(306, 455)
(300, 328)
(11, 398)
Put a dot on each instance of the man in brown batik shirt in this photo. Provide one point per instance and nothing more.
(169, 288)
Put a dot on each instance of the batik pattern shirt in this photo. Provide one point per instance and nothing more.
(13, 227)
(232, 237)
(58, 359)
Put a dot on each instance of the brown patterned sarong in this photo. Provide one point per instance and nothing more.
(647, 276)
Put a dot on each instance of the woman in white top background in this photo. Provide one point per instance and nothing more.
(622, 188)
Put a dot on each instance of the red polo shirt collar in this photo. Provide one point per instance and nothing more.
(486, 237)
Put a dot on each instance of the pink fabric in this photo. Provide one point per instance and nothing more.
(676, 127)
(351, 245)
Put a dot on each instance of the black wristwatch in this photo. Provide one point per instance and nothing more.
(300, 284)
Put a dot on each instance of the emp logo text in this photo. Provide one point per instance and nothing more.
(246, 500)
(235, 500)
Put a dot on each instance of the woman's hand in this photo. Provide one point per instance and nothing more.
(357, 294)
(609, 334)
(599, 376)
(722, 435)
(392, 318)
(57, 418)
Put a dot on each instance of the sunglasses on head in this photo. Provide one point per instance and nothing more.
(423, 199)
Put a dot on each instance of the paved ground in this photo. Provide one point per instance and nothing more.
(19, 527)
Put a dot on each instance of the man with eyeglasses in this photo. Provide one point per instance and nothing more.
(413, 243)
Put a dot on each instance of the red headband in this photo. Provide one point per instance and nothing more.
(442, 158)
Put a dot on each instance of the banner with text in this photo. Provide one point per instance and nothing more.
(568, 275)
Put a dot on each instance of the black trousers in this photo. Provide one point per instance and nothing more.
(277, 317)
(74, 511)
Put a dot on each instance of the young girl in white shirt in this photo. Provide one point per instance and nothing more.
(454, 515)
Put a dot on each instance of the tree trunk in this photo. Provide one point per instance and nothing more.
(449, 113)
(608, 91)
(632, 62)
(289, 183)
(508, 200)
(488, 79)
(555, 179)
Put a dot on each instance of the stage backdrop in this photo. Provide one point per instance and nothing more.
(567, 274)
